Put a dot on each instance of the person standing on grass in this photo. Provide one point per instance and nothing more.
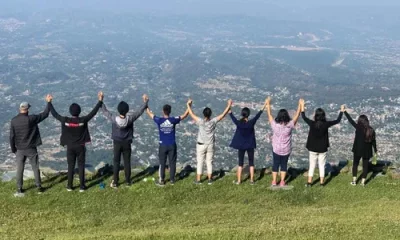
(282, 127)
(244, 140)
(122, 136)
(363, 146)
(318, 140)
(206, 139)
(75, 135)
(24, 140)
(167, 148)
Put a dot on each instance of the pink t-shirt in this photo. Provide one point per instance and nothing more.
(282, 138)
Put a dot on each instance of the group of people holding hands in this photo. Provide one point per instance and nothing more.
(25, 138)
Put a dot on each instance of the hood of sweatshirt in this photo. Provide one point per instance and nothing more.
(121, 122)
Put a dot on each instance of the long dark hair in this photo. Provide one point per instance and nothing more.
(245, 114)
(319, 117)
(283, 117)
(368, 130)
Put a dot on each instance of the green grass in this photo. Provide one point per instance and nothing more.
(220, 211)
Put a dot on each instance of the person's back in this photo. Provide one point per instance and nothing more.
(26, 131)
(74, 130)
(207, 128)
(282, 137)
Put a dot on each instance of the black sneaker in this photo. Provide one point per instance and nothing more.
(40, 190)
(308, 185)
(128, 184)
(82, 189)
(210, 182)
(160, 183)
(196, 182)
(69, 189)
(19, 193)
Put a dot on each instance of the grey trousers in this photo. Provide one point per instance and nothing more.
(33, 157)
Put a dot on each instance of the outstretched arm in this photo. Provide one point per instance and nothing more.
(269, 114)
(93, 113)
(189, 108)
(234, 119)
(351, 121)
(183, 116)
(135, 115)
(297, 114)
(150, 113)
(228, 107)
(107, 114)
(339, 118)
(43, 115)
(303, 115)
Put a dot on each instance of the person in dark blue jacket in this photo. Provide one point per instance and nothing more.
(244, 140)
(122, 136)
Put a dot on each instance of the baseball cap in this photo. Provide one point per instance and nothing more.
(24, 105)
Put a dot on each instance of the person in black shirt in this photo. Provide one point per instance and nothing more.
(318, 140)
(24, 140)
(122, 136)
(363, 146)
(75, 135)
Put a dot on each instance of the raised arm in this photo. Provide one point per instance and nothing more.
(43, 115)
(351, 121)
(107, 114)
(135, 115)
(228, 107)
(189, 108)
(339, 118)
(12, 139)
(93, 113)
(297, 114)
(269, 114)
(234, 119)
(303, 115)
(183, 116)
(150, 113)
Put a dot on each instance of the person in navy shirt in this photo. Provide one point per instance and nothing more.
(167, 148)
(244, 140)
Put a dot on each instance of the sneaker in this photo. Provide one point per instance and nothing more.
(252, 183)
(362, 184)
(210, 182)
(19, 193)
(128, 184)
(236, 182)
(160, 183)
(282, 184)
(82, 189)
(172, 182)
(322, 184)
(353, 183)
(273, 184)
(40, 190)
(113, 185)
(196, 182)
(308, 185)
(69, 189)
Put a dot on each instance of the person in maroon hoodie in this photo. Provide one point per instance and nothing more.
(75, 135)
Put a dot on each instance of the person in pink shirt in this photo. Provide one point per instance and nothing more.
(282, 127)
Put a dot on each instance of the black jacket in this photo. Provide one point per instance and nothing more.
(318, 137)
(361, 148)
(122, 128)
(24, 130)
(74, 130)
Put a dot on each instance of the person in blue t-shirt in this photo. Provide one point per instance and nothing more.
(167, 148)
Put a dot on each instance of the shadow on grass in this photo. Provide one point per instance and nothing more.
(101, 175)
(149, 171)
(334, 171)
(293, 173)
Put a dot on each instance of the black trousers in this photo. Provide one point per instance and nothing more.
(170, 152)
(124, 149)
(76, 153)
(250, 154)
(365, 163)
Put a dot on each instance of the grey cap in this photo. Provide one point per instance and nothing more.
(24, 105)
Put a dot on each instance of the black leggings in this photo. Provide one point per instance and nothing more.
(365, 163)
(250, 154)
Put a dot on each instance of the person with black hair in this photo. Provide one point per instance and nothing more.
(318, 141)
(282, 127)
(244, 140)
(167, 148)
(206, 138)
(122, 136)
(24, 140)
(75, 135)
(363, 146)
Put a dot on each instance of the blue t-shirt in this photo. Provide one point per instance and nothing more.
(166, 127)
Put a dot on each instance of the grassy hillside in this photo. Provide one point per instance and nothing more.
(220, 211)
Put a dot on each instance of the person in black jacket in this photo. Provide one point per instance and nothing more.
(24, 140)
(363, 146)
(75, 135)
(122, 135)
(318, 140)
